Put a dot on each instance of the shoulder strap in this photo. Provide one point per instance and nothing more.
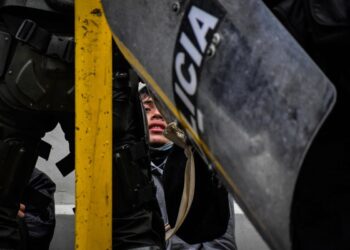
(29, 32)
(173, 133)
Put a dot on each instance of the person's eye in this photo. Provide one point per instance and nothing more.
(147, 109)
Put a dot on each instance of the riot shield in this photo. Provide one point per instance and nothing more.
(248, 95)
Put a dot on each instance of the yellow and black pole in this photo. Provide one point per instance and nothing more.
(93, 68)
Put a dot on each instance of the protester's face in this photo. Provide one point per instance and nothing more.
(156, 122)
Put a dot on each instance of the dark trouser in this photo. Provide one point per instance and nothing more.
(321, 207)
(20, 135)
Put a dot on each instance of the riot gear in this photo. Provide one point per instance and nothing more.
(36, 92)
(320, 212)
(37, 70)
(262, 95)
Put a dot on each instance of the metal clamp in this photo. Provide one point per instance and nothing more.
(26, 30)
(62, 48)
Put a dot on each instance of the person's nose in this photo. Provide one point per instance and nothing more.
(156, 114)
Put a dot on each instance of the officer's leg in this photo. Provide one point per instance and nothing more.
(321, 205)
(36, 79)
(18, 156)
(137, 223)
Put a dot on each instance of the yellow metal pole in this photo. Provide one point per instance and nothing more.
(93, 62)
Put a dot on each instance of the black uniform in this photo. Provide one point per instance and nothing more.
(36, 93)
(321, 205)
(39, 218)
